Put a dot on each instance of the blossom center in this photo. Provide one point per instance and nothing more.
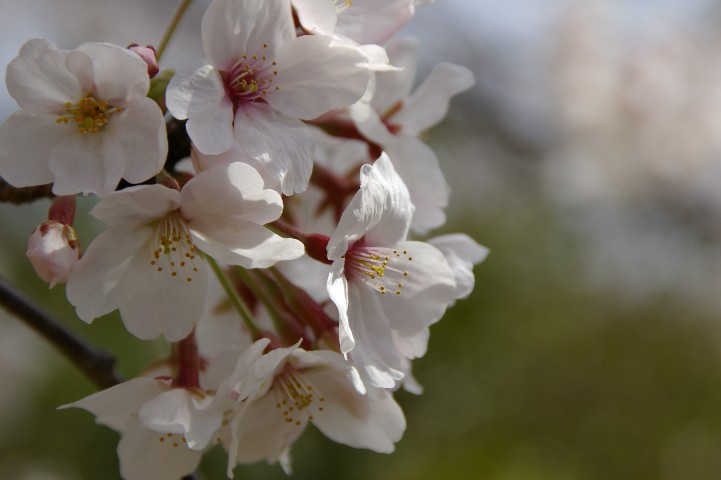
(89, 114)
(382, 269)
(173, 250)
(250, 78)
(296, 397)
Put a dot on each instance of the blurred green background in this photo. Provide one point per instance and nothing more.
(586, 159)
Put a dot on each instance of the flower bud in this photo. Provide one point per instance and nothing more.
(53, 250)
(147, 53)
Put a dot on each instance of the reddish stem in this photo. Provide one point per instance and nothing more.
(62, 210)
(316, 244)
(188, 363)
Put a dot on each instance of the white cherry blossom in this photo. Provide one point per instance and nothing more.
(386, 288)
(84, 122)
(148, 265)
(53, 250)
(260, 82)
(280, 392)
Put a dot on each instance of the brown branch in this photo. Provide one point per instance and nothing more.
(15, 195)
(98, 365)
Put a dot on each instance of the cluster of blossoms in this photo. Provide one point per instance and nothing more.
(285, 280)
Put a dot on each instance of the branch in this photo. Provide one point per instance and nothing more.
(98, 365)
(15, 195)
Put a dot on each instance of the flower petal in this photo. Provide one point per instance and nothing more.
(353, 419)
(314, 77)
(136, 205)
(338, 293)
(139, 131)
(202, 99)
(428, 104)
(281, 145)
(374, 21)
(234, 190)
(316, 16)
(230, 29)
(462, 253)
(120, 75)
(148, 455)
(27, 141)
(247, 244)
(39, 78)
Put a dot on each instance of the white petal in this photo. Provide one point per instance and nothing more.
(428, 289)
(316, 16)
(140, 133)
(177, 411)
(369, 123)
(242, 243)
(27, 141)
(235, 190)
(39, 78)
(231, 29)
(353, 419)
(89, 163)
(395, 86)
(120, 74)
(338, 292)
(281, 144)
(374, 21)
(314, 78)
(96, 286)
(158, 303)
(418, 167)
(428, 104)
(381, 209)
(137, 205)
(202, 99)
(116, 405)
(462, 253)
(144, 456)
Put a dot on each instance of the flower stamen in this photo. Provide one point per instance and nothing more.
(89, 114)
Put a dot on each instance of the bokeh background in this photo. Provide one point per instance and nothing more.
(587, 157)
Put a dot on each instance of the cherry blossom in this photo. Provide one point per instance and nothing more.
(280, 392)
(53, 250)
(148, 263)
(386, 288)
(261, 80)
(84, 122)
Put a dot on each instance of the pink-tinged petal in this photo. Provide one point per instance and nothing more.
(428, 104)
(158, 303)
(89, 163)
(316, 16)
(27, 141)
(314, 78)
(234, 190)
(353, 419)
(374, 21)
(374, 355)
(338, 292)
(96, 285)
(39, 78)
(182, 412)
(246, 244)
(137, 205)
(116, 405)
(231, 29)
(395, 86)
(120, 74)
(427, 291)
(381, 210)
(148, 455)
(139, 131)
(417, 165)
(202, 99)
(462, 253)
(281, 145)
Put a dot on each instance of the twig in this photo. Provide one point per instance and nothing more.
(97, 364)
(15, 195)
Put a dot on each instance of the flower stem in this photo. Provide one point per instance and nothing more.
(171, 28)
(233, 296)
(98, 365)
(188, 362)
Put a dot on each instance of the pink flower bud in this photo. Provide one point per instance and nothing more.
(147, 53)
(53, 250)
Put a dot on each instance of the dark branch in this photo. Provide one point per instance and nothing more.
(11, 194)
(97, 364)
